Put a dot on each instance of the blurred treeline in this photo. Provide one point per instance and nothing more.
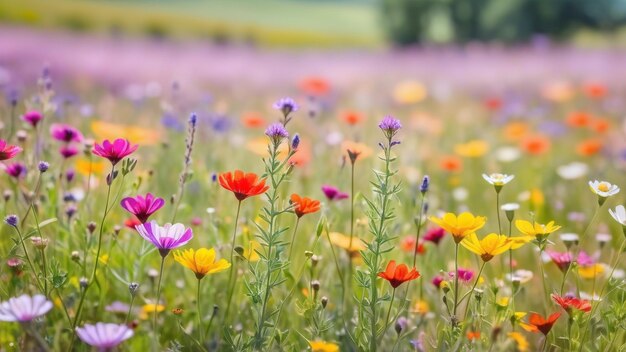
(444, 21)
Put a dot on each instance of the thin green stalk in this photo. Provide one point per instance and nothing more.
(45, 272)
(130, 308)
(393, 296)
(293, 237)
(469, 298)
(419, 227)
(231, 285)
(498, 211)
(454, 319)
(351, 204)
(156, 303)
(200, 336)
(30, 263)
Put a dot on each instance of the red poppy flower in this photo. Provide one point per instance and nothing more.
(243, 185)
(408, 245)
(567, 303)
(8, 151)
(397, 275)
(543, 324)
(352, 117)
(132, 222)
(304, 205)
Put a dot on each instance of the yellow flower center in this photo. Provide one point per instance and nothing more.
(604, 186)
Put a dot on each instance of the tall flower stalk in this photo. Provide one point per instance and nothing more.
(185, 175)
(380, 213)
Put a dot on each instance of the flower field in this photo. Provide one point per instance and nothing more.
(313, 212)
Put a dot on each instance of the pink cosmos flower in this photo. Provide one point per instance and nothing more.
(104, 336)
(24, 308)
(8, 151)
(142, 207)
(465, 275)
(166, 237)
(333, 193)
(434, 235)
(65, 133)
(116, 151)
(562, 260)
(32, 117)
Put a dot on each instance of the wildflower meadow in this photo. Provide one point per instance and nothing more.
(314, 213)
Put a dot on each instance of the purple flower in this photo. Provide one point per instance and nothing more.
(465, 275)
(286, 105)
(142, 207)
(425, 184)
(104, 336)
(11, 220)
(24, 308)
(166, 237)
(332, 193)
(295, 142)
(390, 126)
(43, 166)
(584, 259)
(116, 151)
(16, 170)
(437, 280)
(68, 151)
(32, 117)
(117, 307)
(65, 133)
(276, 132)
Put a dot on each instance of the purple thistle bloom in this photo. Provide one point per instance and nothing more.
(276, 132)
(24, 308)
(32, 117)
(166, 237)
(104, 336)
(333, 193)
(286, 105)
(16, 170)
(295, 142)
(142, 207)
(65, 133)
(11, 220)
(43, 166)
(390, 125)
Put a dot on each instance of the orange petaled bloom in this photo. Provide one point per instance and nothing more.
(515, 131)
(536, 144)
(315, 86)
(352, 117)
(543, 324)
(253, 120)
(578, 119)
(589, 147)
(473, 335)
(595, 90)
(567, 303)
(304, 205)
(600, 125)
(243, 185)
(451, 163)
(397, 275)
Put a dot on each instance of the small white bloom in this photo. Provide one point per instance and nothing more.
(619, 214)
(603, 189)
(460, 194)
(521, 275)
(603, 237)
(507, 154)
(497, 179)
(510, 207)
(210, 210)
(569, 237)
(573, 170)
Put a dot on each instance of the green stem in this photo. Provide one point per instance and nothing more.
(231, 286)
(200, 337)
(156, 303)
(351, 205)
(130, 308)
(30, 263)
(454, 319)
(393, 295)
(419, 227)
(469, 298)
(293, 237)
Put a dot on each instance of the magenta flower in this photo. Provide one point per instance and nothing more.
(68, 151)
(465, 275)
(437, 280)
(16, 170)
(65, 133)
(116, 151)
(142, 207)
(104, 336)
(8, 151)
(562, 260)
(434, 235)
(166, 237)
(584, 259)
(24, 308)
(32, 117)
(333, 193)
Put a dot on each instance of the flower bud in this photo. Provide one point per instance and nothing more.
(11, 220)
(324, 301)
(83, 282)
(315, 285)
(91, 227)
(43, 166)
(21, 136)
(133, 287)
(75, 256)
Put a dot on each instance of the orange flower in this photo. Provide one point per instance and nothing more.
(253, 120)
(451, 163)
(352, 117)
(543, 324)
(515, 131)
(578, 119)
(473, 335)
(315, 86)
(397, 275)
(595, 90)
(536, 144)
(600, 125)
(356, 150)
(243, 185)
(408, 245)
(304, 205)
(589, 147)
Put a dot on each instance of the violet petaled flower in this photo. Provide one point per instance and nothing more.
(166, 237)
(390, 125)
(465, 275)
(11, 220)
(276, 132)
(333, 193)
(142, 207)
(295, 142)
(68, 151)
(24, 308)
(425, 184)
(286, 105)
(43, 166)
(33, 117)
(65, 133)
(16, 170)
(116, 151)
(104, 336)
(8, 151)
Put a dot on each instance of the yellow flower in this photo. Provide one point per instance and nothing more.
(250, 253)
(518, 241)
(520, 341)
(503, 302)
(343, 241)
(487, 248)
(460, 226)
(472, 149)
(323, 346)
(201, 262)
(590, 271)
(135, 134)
(536, 229)
(84, 167)
(536, 198)
(150, 308)
(421, 307)
(409, 92)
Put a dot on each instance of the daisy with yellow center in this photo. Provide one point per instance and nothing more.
(459, 226)
(603, 189)
(537, 230)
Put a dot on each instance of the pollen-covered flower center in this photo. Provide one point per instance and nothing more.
(604, 186)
